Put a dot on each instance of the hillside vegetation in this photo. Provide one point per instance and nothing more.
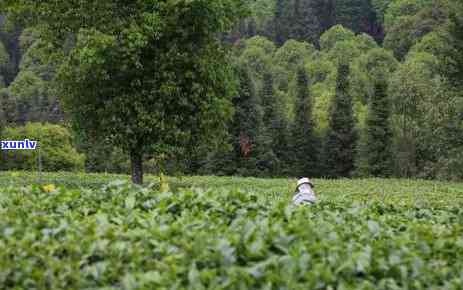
(263, 83)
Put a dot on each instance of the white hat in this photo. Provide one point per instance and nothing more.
(304, 180)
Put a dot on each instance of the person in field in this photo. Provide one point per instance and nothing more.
(304, 194)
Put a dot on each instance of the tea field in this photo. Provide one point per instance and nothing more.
(82, 231)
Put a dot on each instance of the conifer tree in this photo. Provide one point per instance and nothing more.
(378, 132)
(280, 136)
(244, 133)
(247, 124)
(304, 143)
(275, 128)
(341, 138)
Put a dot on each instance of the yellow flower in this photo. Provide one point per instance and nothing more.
(49, 188)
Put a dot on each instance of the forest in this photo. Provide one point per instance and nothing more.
(268, 88)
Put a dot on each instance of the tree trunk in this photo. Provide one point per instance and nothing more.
(136, 162)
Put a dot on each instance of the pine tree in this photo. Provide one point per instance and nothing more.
(243, 136)
(247, 125)
(341, 138)
(280, 135)
(304, 143)
(378, 133)
(274, 138)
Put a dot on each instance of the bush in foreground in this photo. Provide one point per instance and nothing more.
(121, 237)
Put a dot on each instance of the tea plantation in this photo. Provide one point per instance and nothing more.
(99, 232)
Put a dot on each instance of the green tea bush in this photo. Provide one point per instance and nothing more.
(238, 234)
(55, 145)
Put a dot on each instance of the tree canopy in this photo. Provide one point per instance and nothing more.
(150, 75)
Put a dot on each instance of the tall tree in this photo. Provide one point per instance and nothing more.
(342, 137)
(274, 139)
(151, 76)
(247, 125)
(304, 143)
(379, 133)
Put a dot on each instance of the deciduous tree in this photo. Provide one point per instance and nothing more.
(150, 75)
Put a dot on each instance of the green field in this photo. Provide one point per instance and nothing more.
(98, 232)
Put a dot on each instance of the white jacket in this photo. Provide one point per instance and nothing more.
(305, 195)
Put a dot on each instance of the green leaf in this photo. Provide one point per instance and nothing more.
(130, 202)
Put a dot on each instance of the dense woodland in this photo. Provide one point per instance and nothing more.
(332, 88)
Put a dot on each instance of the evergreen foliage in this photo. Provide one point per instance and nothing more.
(161, 78)
(342, 137)
(247, 125)
(275, 129)
(306, 20)
(304, 144)
(378, 133)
